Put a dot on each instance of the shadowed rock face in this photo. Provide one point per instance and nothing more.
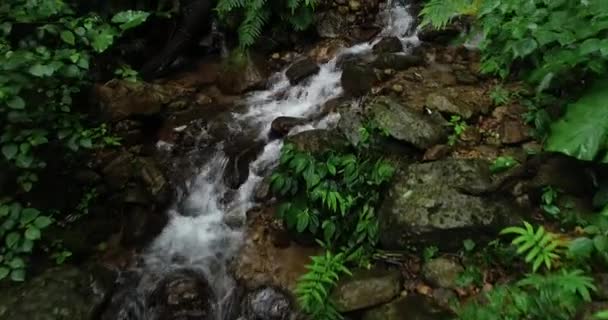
(442, 203)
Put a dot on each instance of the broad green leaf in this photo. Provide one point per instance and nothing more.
(12, 239)
(130, 18)
(16, 263)
(68, 37)
(582, 132)
(40, 70)
(103, 38)
(602, 315)
(581, 247)
(32, 233)
(524, 47)
(42, 222)
(28, 215)
(16, 103)
(4, 272)
(601, 243)
(10, 151)
(18, 275)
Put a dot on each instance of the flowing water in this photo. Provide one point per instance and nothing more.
(197, 236)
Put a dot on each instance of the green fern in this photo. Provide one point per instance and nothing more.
(314, 287)
(258, 13)
(540, 246)
(573, 282)
(438, 13)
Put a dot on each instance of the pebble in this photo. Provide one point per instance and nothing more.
(397, 88)
(354, 5)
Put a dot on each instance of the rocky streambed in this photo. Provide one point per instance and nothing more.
(186, 226)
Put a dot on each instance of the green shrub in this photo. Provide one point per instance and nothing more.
(332, 197)
(41, 72)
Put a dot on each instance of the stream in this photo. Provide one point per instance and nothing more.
(193, 252)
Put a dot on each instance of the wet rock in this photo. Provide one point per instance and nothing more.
(318, 141)
(442, 203)
(407, 125)
(388, 45)
(441, 103)
(120, 99)
(366, 288)
(436, 152)
(414, 307)
(349, 125)
(301, 70)
(357, 79)
(330, 24)
(514, 131)
(397, 61)
(268, 257)
(442, 272)
(152, 177)
(282, 125)
(120, 169)
(142, 225)
(262, 192)
(267, 303)
(184, 294)
(465, 77)
(62, 293)
(247, 72)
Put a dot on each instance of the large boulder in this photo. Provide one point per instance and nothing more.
(388, 45)
(318, 141)
(397, 61)
(330, 24)
(358, 78)
(414, 307)
(443, 203)
(407, 125)
(63, 293)
(366, 288)
(300, 70)
(243, 73)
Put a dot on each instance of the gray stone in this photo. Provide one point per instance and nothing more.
(441, 103)
(300, 70)
(318, 141)
(63, 293)
(414, 307)
(366, 288)
(267, 303)
(443, 203)
(330, 24)
(407, 125)
(388, 45)
(442, 272)
(397, 61)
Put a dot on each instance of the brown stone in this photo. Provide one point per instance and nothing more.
(514, 131)
(436, 152)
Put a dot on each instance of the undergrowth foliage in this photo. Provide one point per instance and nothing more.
(256, 14)
(46, 51)
(332, 197)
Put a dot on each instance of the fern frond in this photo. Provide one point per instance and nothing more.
(438, 13)
(539, 246)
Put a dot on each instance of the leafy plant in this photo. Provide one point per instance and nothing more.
(458, 127)
(544, 297)
(582, 132)
(125, 72)
(593, 242)
(332, 197)
(256, 14)
(503, 163)
(314, 287)
(549, 199)
(541, 247)
(429, 253)
(500, 95)
(471, 275)
(45, 54)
